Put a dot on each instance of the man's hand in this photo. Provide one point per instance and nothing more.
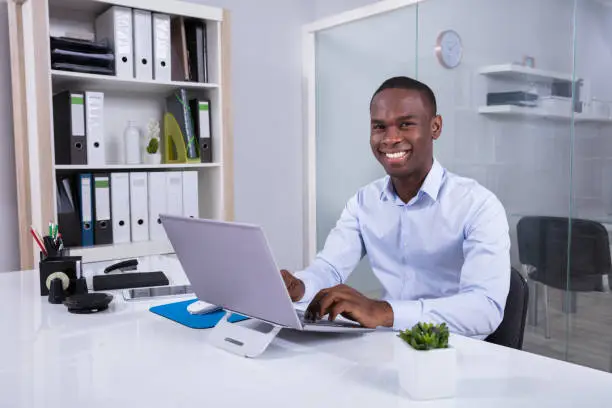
(346, 301)
(295, 286)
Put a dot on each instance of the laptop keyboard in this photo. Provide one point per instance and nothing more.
(325, 322)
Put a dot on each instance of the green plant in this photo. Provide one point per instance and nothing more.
(153, 146)
(426, 336)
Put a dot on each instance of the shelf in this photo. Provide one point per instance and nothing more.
(519, 111)
(523, 73)
(94, 82)
(121, 251)
(136, 166)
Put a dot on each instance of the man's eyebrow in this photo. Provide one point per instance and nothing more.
(408, 117)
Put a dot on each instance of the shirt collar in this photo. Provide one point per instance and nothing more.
(431, 185)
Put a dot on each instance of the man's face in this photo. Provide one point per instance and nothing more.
(402, 131)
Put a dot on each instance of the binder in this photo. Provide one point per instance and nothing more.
(200, 112)
(190, 194)
(139, 212)
(177, 105)
(195, 33)
(161, 47)
(69, 128)
(174, 193)
(178, 46)
(120, 207)
(86, 212)
(143, 44)
(94, 127)
(103, 228)
(68, 212)
(115, 26)
(157, 205)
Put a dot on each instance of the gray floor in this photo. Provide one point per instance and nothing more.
(583, 338)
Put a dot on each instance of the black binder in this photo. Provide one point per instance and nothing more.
(204, 140)
(103, 226)
(195, 33)
(68, 211)
(69, 128)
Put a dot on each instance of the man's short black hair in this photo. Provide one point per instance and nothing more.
(402, 82)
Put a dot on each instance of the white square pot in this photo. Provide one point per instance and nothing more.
(429, 374)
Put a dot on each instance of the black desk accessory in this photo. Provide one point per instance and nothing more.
(129, 265)
(88, 303)
(57, 292)
(65, 268)
(129, 280)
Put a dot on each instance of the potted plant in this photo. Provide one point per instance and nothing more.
(153, 155)
(427, 365)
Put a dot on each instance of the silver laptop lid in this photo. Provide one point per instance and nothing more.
(231, 265)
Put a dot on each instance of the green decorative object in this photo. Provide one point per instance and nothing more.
(426, 336)
(153, 146)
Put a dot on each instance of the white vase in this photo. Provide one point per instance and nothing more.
(152, 158)
(131, 140)
(426, 374)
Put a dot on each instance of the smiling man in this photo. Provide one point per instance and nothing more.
(437, 242)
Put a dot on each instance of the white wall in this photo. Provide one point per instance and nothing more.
(9, 256)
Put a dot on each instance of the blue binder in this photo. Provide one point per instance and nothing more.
(177, 312)
(86, 209)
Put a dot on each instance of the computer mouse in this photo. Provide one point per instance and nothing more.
(199, 307)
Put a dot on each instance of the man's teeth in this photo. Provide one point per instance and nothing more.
(397, 155)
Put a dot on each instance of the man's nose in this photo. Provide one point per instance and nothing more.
(392, 135)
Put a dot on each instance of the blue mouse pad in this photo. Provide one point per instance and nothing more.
(178, 313)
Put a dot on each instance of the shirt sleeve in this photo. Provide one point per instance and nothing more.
(478, 308)
(342, 252)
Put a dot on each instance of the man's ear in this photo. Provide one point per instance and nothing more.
(436, 127)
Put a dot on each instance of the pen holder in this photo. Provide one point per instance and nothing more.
(53, 250)
(66, 268)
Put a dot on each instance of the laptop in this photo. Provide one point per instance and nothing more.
(231, 265)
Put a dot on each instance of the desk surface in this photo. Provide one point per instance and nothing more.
(129, 357)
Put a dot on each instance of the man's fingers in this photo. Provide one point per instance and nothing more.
(339, 307)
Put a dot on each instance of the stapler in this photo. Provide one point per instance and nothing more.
(129, 265)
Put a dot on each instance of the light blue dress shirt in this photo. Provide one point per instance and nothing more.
(442, 257)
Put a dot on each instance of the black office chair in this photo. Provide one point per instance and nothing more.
(543, 250)
(512, 328)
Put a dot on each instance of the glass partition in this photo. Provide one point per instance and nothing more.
(527, 112)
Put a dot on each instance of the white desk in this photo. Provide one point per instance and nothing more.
(129, 357)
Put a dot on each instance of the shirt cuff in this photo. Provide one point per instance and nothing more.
(311, 285)
(406, 313)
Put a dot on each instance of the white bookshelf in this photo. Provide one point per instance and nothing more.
(538, 113)
(125, 99)
(123, 251)
(523, 73)
(138, 167)
(107, 83)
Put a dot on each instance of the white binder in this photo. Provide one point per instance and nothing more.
(143, 45)
(139, 209)
(157, 205)
(190, 194)
(94, 124)
(161, 47)
(174, 193)
(115, 25)
(120, 207)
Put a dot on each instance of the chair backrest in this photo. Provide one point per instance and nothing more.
(512, 328)
(542, 243)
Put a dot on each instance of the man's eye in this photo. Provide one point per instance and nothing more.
(378, 126)
(405, 125)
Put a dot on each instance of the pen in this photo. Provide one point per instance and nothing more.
(51, 230)
(38, 240)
